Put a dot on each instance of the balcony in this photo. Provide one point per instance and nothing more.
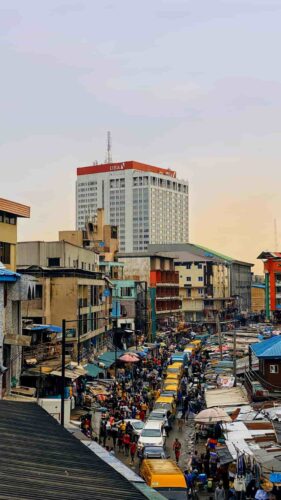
(167, 277)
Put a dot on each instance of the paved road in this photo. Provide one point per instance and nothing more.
(186, 437)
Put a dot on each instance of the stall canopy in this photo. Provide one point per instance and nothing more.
(108, 358)
(48, 328)
(93, 370)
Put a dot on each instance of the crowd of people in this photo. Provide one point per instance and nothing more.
(133, 396)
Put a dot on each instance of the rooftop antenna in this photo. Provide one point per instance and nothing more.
(275, 236)
(108, 157)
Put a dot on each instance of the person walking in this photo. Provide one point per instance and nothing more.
(133, 449)
(126, 442)
(219, 492)
(177, 449)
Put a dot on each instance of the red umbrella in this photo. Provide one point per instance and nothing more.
(129, 358)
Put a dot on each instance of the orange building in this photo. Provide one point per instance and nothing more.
(272, 270)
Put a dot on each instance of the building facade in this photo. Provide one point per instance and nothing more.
(148, 204)
(272, 271)
(124, 297)
(13, 289)
(96, 235)
(208, 281)
(163, 302)
(69, 286)
(258, 297)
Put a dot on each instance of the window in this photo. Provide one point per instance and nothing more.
(188, 292)
(188, 278)
(5, 253)
(199, 266)
(273, 369)
(38, 291)
(53, 262)
(200, 278)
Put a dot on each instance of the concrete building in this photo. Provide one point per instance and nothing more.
(209, 282)
(13, 289)
(96, 235)
(158, 272)
(148, 204)
(124, 296)
(258, 297)
(56, 254)
(10, 211)
(68, 287)
(272, 270)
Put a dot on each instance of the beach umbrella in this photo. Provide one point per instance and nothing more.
(212, 416)
(129, 358)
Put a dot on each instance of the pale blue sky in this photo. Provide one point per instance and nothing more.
(192, 85)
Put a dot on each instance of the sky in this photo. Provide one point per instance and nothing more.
(194, 85)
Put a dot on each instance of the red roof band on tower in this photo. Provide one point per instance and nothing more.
(125, 165)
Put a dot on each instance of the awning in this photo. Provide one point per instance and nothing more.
(73, 374)
(48, 328)
(93, 370)
(108, 358)
(234, 396)
(224, 455)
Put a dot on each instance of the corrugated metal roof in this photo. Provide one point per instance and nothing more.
(234, 396)
(7, 275)
(41, 460)
(269, 255)
(270, 348)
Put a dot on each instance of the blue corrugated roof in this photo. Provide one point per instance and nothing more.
(270, 348)
(7, 275)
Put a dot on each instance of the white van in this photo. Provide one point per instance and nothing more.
(152, 434)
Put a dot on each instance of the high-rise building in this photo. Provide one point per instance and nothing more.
(148, 204)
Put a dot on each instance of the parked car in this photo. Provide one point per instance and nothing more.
(160, 415)
(153, 434)
(153, 452)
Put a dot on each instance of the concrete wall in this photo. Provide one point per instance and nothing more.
(37, 253)
(241, 279)
(258, 299)
(137, 268)
(74, 237)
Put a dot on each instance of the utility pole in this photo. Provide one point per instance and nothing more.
(219, 333)
(234, 356)
(62, 372)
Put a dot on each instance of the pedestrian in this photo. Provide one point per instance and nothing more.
(126, 442)
(177, 449)
(219, 492)
(133, 449)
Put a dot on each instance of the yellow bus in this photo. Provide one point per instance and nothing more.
(165, 477)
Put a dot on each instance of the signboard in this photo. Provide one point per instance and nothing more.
(23, 340)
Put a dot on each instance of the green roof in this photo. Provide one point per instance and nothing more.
(215, 254)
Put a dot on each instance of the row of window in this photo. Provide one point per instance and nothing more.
(8, 218)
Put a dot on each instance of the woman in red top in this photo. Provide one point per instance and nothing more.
(126, 442)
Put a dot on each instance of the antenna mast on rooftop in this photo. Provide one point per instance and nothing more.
(108, 157)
